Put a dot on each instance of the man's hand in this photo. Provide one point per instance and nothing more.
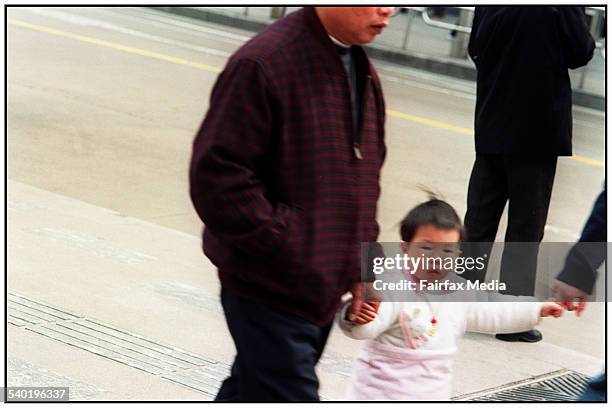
(551, 309)
(366, 314)
(570, 297)
(361, 312)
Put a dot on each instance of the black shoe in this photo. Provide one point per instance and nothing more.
(530, 336)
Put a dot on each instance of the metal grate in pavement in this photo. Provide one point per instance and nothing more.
(563, 385)
(191, 370)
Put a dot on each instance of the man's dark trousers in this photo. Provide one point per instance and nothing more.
(526, 183)
(276, 353)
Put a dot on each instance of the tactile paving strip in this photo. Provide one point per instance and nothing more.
(191, 370)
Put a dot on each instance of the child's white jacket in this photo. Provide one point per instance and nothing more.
(392, 367)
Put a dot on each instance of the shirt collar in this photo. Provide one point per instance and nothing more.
(338, 42)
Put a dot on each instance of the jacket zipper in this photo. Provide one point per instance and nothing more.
(357, 135)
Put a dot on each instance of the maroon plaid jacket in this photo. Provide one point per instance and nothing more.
(276, 173)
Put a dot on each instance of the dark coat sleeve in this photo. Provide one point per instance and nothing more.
(578, 44)
(587, 255)
(229, 152)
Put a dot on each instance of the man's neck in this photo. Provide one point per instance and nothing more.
(338, 42)
(330, 26)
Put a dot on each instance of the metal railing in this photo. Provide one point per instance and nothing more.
(596, 14)
(463, 28)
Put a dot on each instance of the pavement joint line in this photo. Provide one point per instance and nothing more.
(50, 327)
(111, 344)
(206, 359)
(20, 306)
(163, 361)
(111, 347)
(26, 300)
(45, 320)
(161, 351)
(212, 69)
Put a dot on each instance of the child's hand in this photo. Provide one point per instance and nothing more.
(551, 309)
(366, 313)
(570, 297)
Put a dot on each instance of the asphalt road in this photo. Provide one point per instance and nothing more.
(103, 105)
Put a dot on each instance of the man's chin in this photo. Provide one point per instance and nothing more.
(366, 39)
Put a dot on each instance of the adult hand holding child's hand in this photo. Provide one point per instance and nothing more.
(366, 313)
(360, 311)
(570, 297)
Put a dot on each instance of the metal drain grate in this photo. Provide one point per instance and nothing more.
(191, 370)
(566, 386)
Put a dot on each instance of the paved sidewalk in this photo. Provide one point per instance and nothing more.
(121, 309)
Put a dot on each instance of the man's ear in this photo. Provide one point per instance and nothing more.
(405, 246)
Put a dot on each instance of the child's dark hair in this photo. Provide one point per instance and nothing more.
(434, 212)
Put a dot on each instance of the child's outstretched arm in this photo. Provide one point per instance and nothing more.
(507, 317)
(384, 319)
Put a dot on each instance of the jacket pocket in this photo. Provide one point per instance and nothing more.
(291, 252)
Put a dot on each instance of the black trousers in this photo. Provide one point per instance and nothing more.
(526, 183)
(276, 353)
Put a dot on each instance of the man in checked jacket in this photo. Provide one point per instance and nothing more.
(285, 176)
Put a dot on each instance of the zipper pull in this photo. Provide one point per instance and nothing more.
(357, 151)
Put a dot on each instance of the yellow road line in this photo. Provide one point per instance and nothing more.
(210, 68)
(588, 160)
(430, 122)
(470, 132)
(113, 45)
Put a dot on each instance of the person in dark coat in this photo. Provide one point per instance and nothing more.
(523, 122)
(579, 274)
(285, 176)
(576, 280)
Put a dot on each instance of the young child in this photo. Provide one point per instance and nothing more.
(411, 345)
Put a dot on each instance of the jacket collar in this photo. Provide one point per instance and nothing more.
(328, 48)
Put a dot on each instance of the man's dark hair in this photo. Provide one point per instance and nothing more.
(434, 212)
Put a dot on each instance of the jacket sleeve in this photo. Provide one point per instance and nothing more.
(229, 149)
(501, 317)
(385, 318)
(587, 255)
(578, 44)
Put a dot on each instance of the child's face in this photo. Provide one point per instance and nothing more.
(430, 242)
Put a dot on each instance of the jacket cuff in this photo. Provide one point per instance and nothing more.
(577, 271)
